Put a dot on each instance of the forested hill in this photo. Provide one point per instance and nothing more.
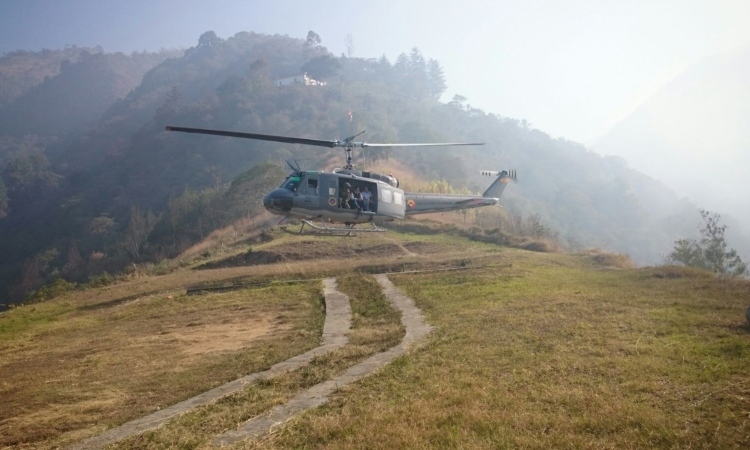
(89, 199)
(20, 71)
(76, 95)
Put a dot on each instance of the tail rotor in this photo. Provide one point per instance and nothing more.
(509, 174)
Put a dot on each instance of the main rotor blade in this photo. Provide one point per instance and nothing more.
(260, 137)
(441, 144)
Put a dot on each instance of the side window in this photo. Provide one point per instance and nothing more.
(386, 196)
(312, 186)
(398, 198)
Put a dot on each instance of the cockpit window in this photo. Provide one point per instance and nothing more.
(291, 183)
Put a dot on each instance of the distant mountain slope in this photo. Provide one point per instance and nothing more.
(78, 95)
(21, 70)
(694, 135)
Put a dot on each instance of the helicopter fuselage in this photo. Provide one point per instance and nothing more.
(312, 195)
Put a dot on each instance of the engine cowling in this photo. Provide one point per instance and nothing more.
(390, 179)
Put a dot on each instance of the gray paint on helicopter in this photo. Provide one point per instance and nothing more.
(309, 195)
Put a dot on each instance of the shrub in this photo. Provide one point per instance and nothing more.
(710, 252)
(55, 289)
(104, 279)
(608, 259)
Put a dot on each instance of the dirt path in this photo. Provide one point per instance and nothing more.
(337, 325)
(416, 330)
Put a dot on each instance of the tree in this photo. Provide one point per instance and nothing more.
(417, 64)
(139, 228)
(101, 226)
(209, 39)
(458, 101)
(349, 41)
(417, 74)
(27, 169)
(74, 261)
(710, 252)
(313, 40)
(171, 104)
(401, 67)
(435, 79)
(259, 69)
(322, 67)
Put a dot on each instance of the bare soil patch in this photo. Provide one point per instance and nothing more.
(201, 338)
(77, 372)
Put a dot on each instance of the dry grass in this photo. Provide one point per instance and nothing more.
(376, 327)
(490, 236)
(548, 353)
(531, 350)
(69, 369)
(610, 260)
(241, 230)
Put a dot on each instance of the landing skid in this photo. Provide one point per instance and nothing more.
(324, 230)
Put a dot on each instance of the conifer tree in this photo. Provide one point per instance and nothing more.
(436, 79)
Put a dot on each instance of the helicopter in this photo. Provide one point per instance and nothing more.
(320, 199)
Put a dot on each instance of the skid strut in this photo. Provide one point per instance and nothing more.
(323, 228)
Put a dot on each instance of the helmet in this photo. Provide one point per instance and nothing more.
(347, 185)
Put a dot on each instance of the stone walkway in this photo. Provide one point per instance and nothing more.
(337, 325)
(416, 330)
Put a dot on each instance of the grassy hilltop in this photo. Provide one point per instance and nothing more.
(530, 350)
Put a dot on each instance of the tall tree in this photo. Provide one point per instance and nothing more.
(401, 71)
(171, 104)
(209, 39)
(417, 74)
(349, 41)
(417, 64)
(139, 228)
(313, 39)
(436, 79)
(322, 67)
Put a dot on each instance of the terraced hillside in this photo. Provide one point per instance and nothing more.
(528, 350)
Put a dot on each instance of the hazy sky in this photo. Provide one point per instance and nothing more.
(572, 68)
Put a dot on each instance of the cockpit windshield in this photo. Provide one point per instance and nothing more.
(291, 183)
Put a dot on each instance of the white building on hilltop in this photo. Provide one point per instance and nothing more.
(299, 79)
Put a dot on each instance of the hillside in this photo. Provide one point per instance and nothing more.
(77, 96)
(99, 199)
(21, 71)
(691, 135)
(529, 349)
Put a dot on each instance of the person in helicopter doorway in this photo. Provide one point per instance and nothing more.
(345, 196)
(366, 199)
(357, 198)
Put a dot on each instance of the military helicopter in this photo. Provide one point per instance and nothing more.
(321, 199)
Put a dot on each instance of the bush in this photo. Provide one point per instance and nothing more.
(104, 279)
(608, 259)
(55, 289)
(710, 252)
